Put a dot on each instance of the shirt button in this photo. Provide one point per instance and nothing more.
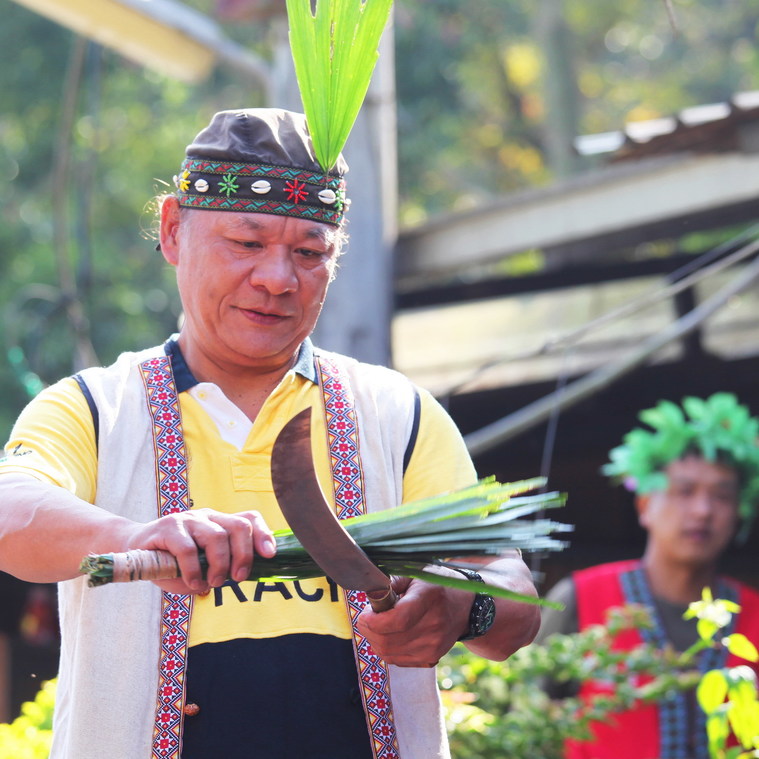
(191, 709)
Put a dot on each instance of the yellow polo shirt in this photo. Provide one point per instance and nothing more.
(228, 470)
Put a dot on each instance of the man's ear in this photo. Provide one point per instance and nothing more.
(641, 506)
(170, 222)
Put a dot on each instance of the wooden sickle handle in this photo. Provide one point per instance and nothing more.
(382, 600)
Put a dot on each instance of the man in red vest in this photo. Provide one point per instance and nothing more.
(695, 475)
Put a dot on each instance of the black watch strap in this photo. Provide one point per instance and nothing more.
(482, 612)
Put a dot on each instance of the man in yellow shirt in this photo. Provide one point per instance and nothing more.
(170, 449)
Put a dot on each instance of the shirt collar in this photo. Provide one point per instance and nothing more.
(184, 378)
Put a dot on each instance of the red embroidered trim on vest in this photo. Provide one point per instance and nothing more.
(171, 476)
(342, 433)
(171, 471)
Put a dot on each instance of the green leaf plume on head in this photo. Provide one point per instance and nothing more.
(335, 49)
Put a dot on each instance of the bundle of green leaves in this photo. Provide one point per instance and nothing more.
(483, 520)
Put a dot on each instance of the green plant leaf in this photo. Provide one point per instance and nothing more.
(739, 645)
(712, 690)
(478, 587)
(706, 628)
(741, 684)
(717, 730)
(744, 719)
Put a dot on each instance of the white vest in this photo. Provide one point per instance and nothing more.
(105, 703)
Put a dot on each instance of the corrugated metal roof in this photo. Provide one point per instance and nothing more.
(712, 127)
(690, 172)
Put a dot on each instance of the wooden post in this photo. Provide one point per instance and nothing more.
(559, 86)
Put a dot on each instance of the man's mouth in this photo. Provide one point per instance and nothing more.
(700, 535)
(260, 316)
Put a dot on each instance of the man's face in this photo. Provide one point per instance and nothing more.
(693, 520)
(252, 285)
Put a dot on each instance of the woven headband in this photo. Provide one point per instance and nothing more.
(257, 188)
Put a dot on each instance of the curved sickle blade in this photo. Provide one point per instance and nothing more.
(313, 520)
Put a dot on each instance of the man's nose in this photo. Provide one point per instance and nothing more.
(702, 503)
(274, 271)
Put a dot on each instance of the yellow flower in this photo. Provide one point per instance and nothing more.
(712, 615)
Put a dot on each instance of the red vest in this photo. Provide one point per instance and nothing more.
(637, 733)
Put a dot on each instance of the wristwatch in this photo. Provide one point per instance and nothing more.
(482, 613)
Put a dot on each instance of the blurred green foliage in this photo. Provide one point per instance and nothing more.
(126, 141)
(473, 114)
(498, 709)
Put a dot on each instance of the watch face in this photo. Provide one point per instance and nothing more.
(485, 615)
(482, 613)
(481, 617)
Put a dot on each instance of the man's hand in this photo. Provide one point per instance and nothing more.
(230, 542)
(428, 619)
(422, 626)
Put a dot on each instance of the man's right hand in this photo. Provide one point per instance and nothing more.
(230, 542)
(46, 531)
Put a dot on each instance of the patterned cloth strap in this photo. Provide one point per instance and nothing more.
(345, 459)
(681, 721)
(173, 496)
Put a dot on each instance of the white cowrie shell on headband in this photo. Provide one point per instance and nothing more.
(261, 187)
(328, 197)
